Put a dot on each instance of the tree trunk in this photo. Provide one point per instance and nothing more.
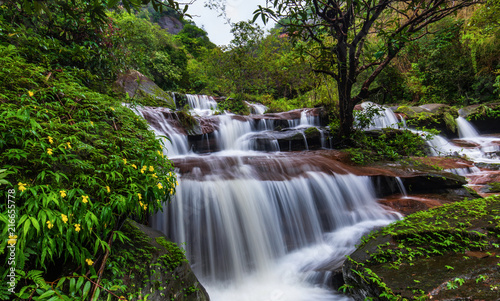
(346, 115)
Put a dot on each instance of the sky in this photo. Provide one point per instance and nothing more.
(218, 30)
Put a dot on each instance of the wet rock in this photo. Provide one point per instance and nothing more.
(434, 116)
(154, 267)
(433, 107)
(465, 268)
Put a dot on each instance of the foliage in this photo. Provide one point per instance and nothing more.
(346, 50)
(269, 65)
(63, 42)
(235, 105)
(79, 163)
(485, 111)
(151, 50)
(387, 144)
(94, 11)
(194, 39)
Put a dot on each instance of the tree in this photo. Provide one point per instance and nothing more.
(356, 39)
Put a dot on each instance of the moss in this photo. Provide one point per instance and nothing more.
(175, 256)
(494, 187)
(187, 121)
(311, 132)
(431, 248)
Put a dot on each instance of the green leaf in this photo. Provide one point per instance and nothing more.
(86, 289)
(26, 227)
(47, 294)
(35, 224)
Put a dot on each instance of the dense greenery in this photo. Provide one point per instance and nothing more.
(75, 162)
(79, 162)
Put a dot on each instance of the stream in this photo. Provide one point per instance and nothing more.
(261, 221)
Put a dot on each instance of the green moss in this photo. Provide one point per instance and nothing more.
(433, 241)
(312, 131)
(494, 187)
(175, 256)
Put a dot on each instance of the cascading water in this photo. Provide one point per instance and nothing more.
(383, 117)
(256, 226)
(465, 129)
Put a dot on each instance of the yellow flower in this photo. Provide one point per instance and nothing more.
(145, 206)
(69, 145)
(12, 240)
(176, 183)
(50, 224)
(154, 175)
(151, 169)
(134, 166)
(31, 93)
(159, 186)
(160, 153)
(124, 161)
(22, 186)
(107, 188)
(92, 123)
(51, 140)
(64, 218)
(77, 227)
(85, 199)
(49, 151)
(63, 193)
(112, 108)
(89, 261)
(140, 196)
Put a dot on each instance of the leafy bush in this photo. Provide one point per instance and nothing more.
(387, 144)
(79, 164)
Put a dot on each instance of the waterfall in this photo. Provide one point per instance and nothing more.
(383, 119)
(164, 123)
(237, 228)
(255, 225)
(256, 108)
(465, 128)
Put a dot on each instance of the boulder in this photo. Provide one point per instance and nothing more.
(151, 267)
(171, 24)
(446, 253)
(138, 86)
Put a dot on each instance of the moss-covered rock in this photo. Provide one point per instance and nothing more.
(143, 90)
(152, 267)
(440, 117)
(446, 253)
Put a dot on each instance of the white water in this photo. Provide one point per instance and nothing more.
(485, 151)
(384, 119)
(465, 129)
(251, 238)
(257, 239)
